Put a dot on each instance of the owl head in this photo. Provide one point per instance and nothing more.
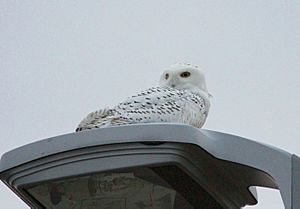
(184, 76)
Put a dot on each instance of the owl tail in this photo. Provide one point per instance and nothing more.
(94, 119)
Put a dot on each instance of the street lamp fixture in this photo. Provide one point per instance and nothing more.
(157, 166)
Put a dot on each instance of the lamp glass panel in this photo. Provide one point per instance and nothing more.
(138, 188)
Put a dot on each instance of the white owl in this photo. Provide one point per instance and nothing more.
(181, 97)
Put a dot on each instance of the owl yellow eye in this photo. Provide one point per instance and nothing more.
(166, 76)
(185, 74)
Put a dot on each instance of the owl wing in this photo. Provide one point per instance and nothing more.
(158, 104)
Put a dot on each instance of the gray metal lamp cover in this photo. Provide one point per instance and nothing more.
(223, 166)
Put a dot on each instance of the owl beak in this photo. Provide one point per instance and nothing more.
(173, 82)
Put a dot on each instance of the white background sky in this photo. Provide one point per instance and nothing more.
(60, 60)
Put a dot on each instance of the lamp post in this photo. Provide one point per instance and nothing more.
(157, 166)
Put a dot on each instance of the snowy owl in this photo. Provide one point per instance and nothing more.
(181, 97)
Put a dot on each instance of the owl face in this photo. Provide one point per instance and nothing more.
(183, 76)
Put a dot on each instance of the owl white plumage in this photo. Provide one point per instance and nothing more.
(181, 97)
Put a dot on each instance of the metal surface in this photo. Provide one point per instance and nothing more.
(204, 153)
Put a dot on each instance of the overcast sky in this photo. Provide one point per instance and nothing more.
(60, 60)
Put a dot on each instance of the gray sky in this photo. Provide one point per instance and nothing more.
(60, 60)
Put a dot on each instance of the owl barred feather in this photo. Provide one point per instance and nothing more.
(182, 97)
